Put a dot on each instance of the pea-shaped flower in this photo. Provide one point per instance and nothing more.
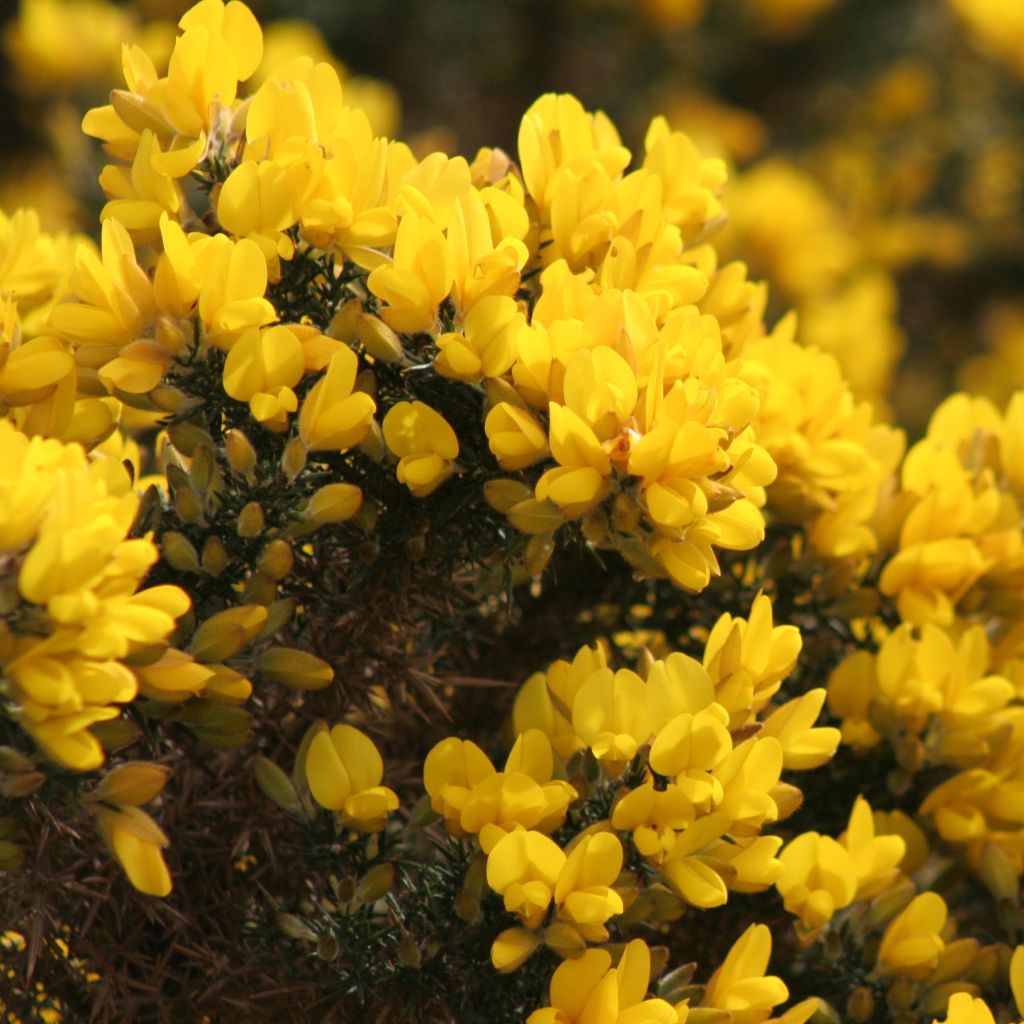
(424, 443)
(343, 771)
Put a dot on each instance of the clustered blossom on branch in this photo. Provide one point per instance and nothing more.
(296, 338)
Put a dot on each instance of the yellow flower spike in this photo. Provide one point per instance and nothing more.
(333, 416)
(344, 770)
(136, 841)
(740, 986)
(424, 443)
(418, 279)
(609, 713)
(486, 346)
(515, 437)
(803, 746)
(913, 942)
(876, 858)
(523, 868)
(818, 878)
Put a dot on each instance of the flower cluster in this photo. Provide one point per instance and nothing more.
(331, 433)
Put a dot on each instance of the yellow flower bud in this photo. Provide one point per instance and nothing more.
(276, 560)
(179, 552)
(240, 453)
(131, 784)
(294, 668)
(215, 556)
(222, 635)
(250, 520)
(334, 503)
(293, 460)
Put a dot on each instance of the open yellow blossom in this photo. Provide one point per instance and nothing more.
(476, 799)
(425, 445)
(913, 940)
(343, 770)
(66, 529)
(334, 417)
(588, 989)
(418, 278)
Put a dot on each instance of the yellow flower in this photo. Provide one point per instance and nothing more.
(65, 527)
(739, 986)
(803, 746)
(343, 770)
(233, 279)
(557, 134)
(587, 990)
(541, 699)
(136, 841)
(333, 416)
(964, 1008)
(578, 483)
(818, 878)
(514, 436)
(531, 873)
(424, 443)
(262, 368)
(486, 345)
(475, 799)
(609, 713)
(913, 941)
(418, 278)
(876, 858)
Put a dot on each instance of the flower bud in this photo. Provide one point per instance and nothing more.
(179, 552)
(293, 461)
(295, 928)
(334, 503)
(276, 785)
(276, 560)
(294, 668)
(215, 556)
(379, 340)
(375, 884)
(250, 521)
(240, 453)
(131, 784)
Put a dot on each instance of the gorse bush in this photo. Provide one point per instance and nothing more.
(441, 595)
